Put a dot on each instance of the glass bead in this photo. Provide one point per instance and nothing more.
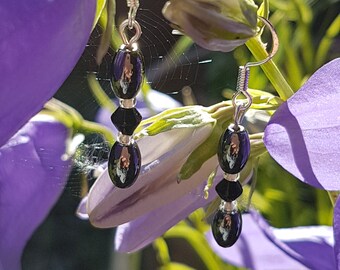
(234, 150)
(124, 164)
(226, 227)
(127, 73)
(229, 190)
(126, 120)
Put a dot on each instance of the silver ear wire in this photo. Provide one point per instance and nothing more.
(275, 44)
(243, 76)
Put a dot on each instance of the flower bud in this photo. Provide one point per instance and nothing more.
(217, 25)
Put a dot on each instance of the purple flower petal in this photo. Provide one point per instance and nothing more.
(41, 41)
(336, 226)
(303, 135)
(262, 247)
(140, 232)
(32, 175)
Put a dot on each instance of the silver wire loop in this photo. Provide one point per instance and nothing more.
(133, 5)
(243, 77)
(122, 34)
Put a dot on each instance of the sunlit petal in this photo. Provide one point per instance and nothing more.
(40, 44)
(303, 134)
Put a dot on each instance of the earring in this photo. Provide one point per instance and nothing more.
(126, 79)
(233, 153)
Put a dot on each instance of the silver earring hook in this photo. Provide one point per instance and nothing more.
(243, 77)
(275, 44)
(131, 23)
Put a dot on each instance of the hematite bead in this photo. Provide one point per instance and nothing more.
(229, 190)
(124, 164)
(127, 73)
(226, 227)
(126, 120)
(234, 150)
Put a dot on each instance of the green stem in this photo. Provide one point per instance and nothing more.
(162, 251)
(326, 42)
(272, 72)
(55, 105)
(97, 91)
(333, 196)
(92, 127)
(74, 118)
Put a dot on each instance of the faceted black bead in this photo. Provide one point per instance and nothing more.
(229, 190)
(124, 164)
(226, 227)
(234, 150)
(127, 73)
(126, 120)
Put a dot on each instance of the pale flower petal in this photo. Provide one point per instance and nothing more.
(162, 157)
(140, 232)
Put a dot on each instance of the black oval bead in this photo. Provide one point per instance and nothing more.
(126, 120)
(234, 150)
(226, 227)
(229, 190)
(127, 73)
(124, 164)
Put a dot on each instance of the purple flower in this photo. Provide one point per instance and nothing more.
(33, 171)
(263, 247)
(303, 134)
(41, 41)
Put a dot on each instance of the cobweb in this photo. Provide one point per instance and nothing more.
(165, 72)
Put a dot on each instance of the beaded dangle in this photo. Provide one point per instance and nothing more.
(126, 79)
(233, 153)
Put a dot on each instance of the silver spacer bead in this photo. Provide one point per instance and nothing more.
(124, 139)
(128, 103)
(230, 206)
(231, 177)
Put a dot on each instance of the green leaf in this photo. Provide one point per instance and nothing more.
(201, 154)
(263, 10)
(99, 9)
(176, 266)
(162, 251)
(185, 117)
(198, 242)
